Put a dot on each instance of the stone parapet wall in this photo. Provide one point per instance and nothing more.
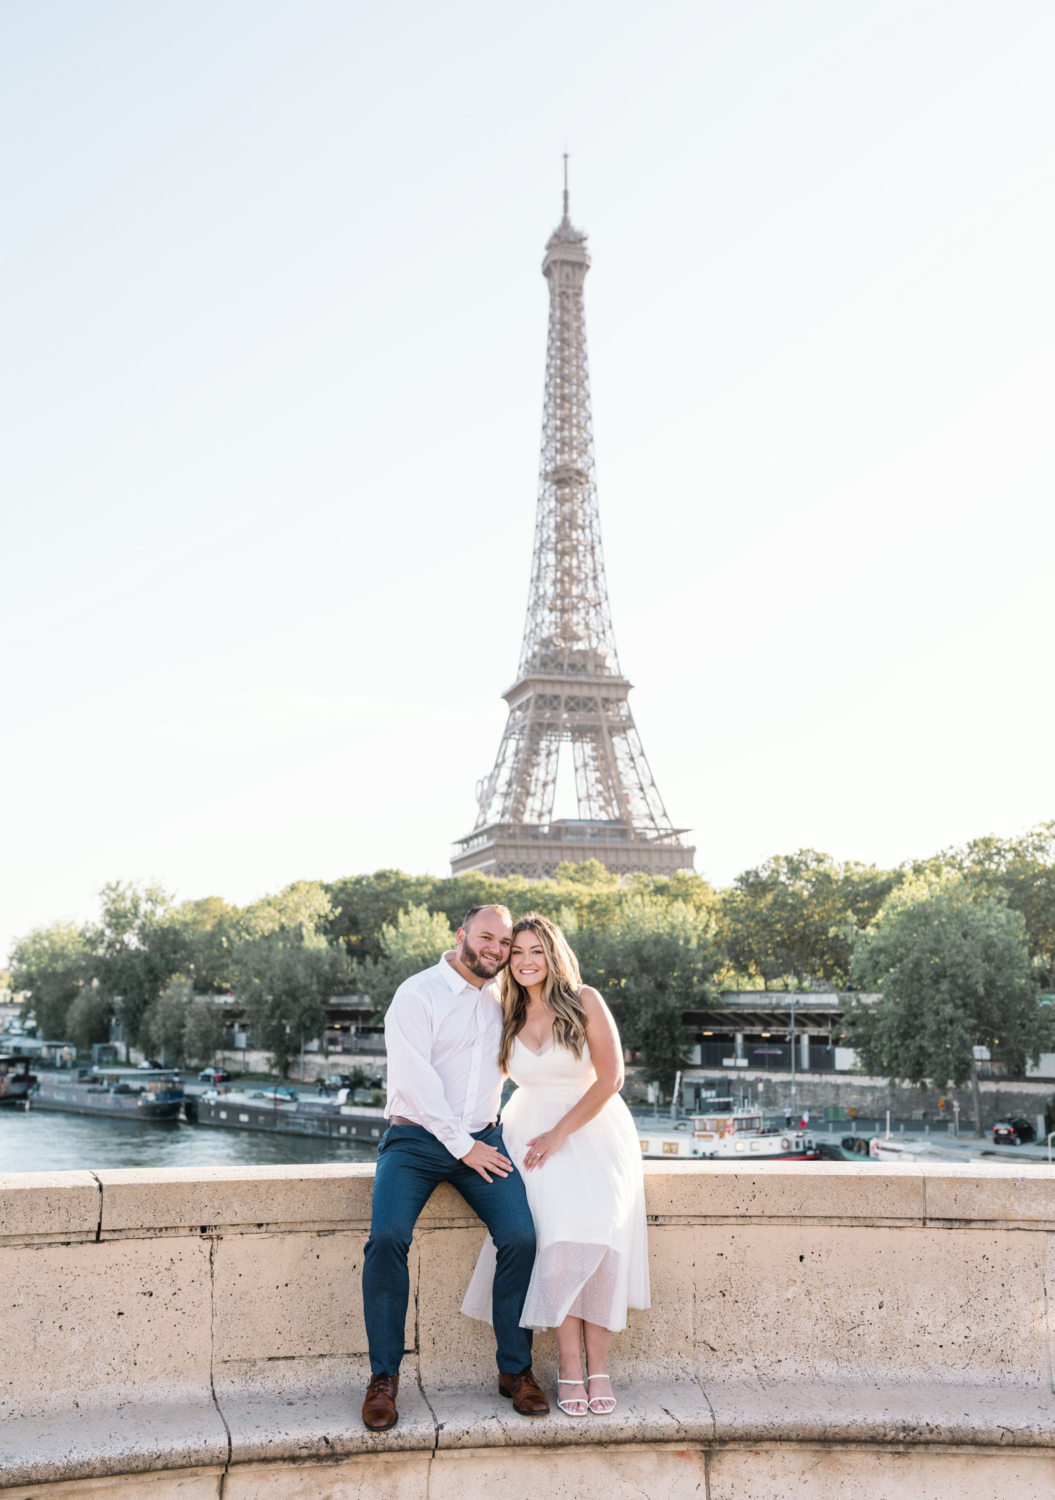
(825, 1329)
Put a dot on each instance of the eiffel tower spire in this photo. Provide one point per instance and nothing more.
(569, 689)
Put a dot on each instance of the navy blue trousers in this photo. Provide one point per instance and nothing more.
(410, 1163)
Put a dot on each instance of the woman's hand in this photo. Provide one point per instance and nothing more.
(542, 1148)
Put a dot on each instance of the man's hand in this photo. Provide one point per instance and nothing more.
(483, 1158)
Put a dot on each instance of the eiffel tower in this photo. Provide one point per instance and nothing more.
(569, 689)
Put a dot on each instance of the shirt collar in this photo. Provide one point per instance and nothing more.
(459, 985)
(453, 978)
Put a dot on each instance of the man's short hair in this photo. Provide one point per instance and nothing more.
(488, 906)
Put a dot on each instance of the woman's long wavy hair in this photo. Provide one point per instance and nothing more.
(560, 991)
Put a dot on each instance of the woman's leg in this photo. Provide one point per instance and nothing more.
(569, 1350)
(597, 1341)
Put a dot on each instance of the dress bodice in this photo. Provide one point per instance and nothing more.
(554, 1067)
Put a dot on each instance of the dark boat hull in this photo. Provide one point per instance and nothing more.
(256, 1115)
(69, 1102)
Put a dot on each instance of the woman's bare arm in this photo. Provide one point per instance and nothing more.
(606, 1053)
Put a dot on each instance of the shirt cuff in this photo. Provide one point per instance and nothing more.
(462, 1144)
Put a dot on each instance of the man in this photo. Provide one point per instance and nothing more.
(442, 1032)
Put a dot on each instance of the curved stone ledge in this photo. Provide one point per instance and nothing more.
(324, 1428)
(208, 1327)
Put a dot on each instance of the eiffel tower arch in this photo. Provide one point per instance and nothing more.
(569, 689)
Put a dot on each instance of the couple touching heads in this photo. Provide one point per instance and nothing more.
(558, 1181)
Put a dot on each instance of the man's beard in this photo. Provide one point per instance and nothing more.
(483, 968)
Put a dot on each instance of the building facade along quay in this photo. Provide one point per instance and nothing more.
(570, 691)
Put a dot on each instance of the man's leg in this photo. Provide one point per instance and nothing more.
(502, 1205)
(409, 1165)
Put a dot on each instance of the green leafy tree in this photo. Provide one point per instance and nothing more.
(363, 904)
(138, 946)
(51, 965)
(285, 982)
(162, 1031)
(1023, 868)
(203, 1031)
(793, 919)
(183, 1028)
(414, 941)
(305, 905)
(654, 962)
(211, 931)
(88, 1020)
(588, 872)
(952, 970)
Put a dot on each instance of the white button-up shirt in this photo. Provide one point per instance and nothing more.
(442, 1036)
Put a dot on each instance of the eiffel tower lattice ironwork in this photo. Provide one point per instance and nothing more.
(569, 688)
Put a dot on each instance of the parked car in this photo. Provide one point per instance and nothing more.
(334, 1082)
(214, 1075)
(829, 1151)
(1013, 1132)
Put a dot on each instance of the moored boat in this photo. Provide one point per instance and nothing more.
(144, 1094)
(726, 1136)
(16, 1081)
(284, 1111)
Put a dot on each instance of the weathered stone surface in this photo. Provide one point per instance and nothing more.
(49, 1206)
(789, 1472)
(386, 1476)
(657, 1343)
(172, 1484)
(111, 1441)
(647, 1413)
(1005, 1196)
(619, 1471)
(235, 1197)
(825, 1191)
(885, 1413)
(96, 1325)
(829, 1329)
(454, 1350)
(292, 1295)
(310, 1409)
(823, 1304)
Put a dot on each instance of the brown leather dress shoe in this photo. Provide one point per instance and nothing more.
(379, 1408)
(527, 1396)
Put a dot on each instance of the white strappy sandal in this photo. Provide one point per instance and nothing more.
(566, 1406)
(601, 1406)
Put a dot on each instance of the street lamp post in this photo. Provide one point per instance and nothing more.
(794, 1090)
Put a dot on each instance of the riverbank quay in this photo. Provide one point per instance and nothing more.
(825, 1329)
(870, 1097)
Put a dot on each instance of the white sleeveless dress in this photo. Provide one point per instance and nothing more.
(587, 1201)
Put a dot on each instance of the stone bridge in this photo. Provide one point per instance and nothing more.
(817, 1330)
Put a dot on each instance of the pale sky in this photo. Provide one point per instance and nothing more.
(271, 389)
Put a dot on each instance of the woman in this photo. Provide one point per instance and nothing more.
(574, 1143)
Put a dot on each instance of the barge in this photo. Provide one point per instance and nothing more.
(284, 1111)
(16, 1081)
(142, 1094)
(727, 1136)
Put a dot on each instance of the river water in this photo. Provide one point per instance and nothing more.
(43, 1141)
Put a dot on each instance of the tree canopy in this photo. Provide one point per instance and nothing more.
(793, 919)
(950, 970)
(655, 947)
